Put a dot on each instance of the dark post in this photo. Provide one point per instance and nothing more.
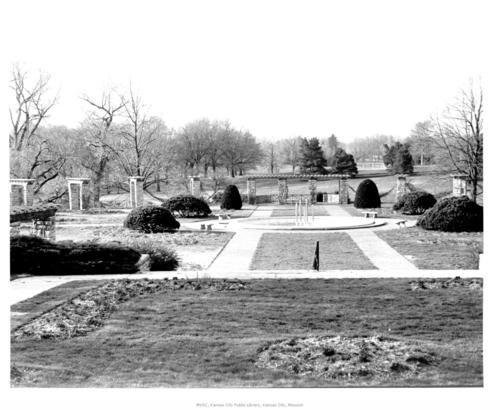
(316, 257)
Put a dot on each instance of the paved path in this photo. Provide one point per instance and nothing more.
(238, 253)
(380, 253)
(21, 289)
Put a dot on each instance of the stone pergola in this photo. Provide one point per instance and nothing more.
(282, 179)
(21, 192)
(78, 191)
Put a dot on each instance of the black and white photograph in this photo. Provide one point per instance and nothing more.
(250, 204)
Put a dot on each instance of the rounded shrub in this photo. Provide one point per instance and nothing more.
(454, 214)
(151, 219)
(231, 198)
(187, 206)
(367, 195)
(414, 203)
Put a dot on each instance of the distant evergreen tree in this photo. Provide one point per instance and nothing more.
(344, 163)
(398, 158)
(312, 159)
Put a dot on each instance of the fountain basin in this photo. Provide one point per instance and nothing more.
(320, 223)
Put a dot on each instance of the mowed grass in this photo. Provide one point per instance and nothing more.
(212, 339)
(436, 250)
(281, 251)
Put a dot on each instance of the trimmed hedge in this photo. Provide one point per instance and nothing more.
(455, 214)
(37, 256)
(151, 219)
(414, 203)
(187, 206)
(367, 195)
(231, 198)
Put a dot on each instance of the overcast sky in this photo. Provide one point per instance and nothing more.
(278, 69)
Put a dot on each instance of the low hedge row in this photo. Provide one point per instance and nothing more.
(37, 256)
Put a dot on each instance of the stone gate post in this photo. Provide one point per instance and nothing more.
(251, 190)
(312, 189)
(401, 187)
(195, 186)
(282, 190)
(136, 185)
(343, 191)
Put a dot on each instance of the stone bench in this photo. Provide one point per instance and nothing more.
(223, 216)
(208, 227)
(367, 214)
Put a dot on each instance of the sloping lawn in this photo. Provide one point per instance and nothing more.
(279, 251)
(436, 250)
(206, 338)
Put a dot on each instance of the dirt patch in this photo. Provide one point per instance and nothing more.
(341, 357)
(89, 310)
(457, 282)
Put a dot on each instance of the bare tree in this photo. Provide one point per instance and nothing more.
(271, 157)
(290, 152)
(31, 108)
(98, 134)
(32, 153)
(138, 134)
(459, 134)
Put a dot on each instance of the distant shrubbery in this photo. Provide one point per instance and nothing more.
(231, 198)
(151, 219)
(367, 195)
(415, 203)
(455, 214)
(187, 206)
(37, 256)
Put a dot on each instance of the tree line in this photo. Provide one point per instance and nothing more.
(119, 137)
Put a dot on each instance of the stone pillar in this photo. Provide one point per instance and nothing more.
(401, 187)
(343, 191)
(251, 191)
(312, 189)
(79, 193)
(136, 185)
(195, 186)
(282, 190)
(460, 185)
(21, 192)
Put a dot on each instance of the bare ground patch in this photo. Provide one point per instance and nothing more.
(349, 358)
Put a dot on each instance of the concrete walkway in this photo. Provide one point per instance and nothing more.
(21, 289)
(380, 253)
(239, 251)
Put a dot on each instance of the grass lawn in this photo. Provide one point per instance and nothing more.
(436, 250)
(280, 251)
(206, 338)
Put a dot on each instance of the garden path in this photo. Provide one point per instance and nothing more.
(380, 253)
(238, 253)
